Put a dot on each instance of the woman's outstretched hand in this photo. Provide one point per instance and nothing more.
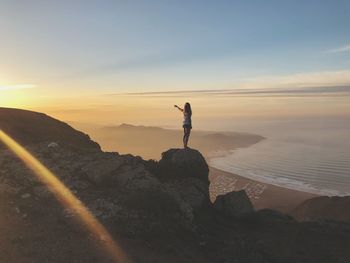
(178, 107)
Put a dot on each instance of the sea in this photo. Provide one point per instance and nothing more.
(311, 155)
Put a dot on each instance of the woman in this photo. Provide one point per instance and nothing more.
(187, 123)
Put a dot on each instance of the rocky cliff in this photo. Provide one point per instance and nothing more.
(158, 211)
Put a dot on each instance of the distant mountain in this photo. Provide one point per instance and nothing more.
(324, 208)
(149, 142)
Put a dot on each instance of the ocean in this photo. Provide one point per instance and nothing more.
(311, 155)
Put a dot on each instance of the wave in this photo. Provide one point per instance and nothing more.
(290, 166)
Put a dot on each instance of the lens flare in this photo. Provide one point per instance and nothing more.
(66, 198)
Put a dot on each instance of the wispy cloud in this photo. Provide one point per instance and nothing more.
(340, 49)
(304, 84)
(290, 92)
(16, 87)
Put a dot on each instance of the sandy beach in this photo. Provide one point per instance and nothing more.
(262, 195)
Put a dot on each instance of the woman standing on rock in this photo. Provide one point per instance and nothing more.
(187, 123)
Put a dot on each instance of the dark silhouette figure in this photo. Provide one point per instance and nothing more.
(187, 123)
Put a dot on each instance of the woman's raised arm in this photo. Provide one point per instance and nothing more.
(178, 108)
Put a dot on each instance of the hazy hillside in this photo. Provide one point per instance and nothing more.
(149, 142)
(29, 127)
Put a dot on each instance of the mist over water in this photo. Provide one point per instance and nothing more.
(312, 155)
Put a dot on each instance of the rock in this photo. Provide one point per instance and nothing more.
(191, 191)
(234, 204)
(42, 191)
(26, 195)
(136, 178)
(79, 184)
(104, 208)
(273, 215)
(52, 145)
(184, 163)
(185, 172)
(101, 170)
(8, 189)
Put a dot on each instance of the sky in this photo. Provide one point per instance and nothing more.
(130, 61)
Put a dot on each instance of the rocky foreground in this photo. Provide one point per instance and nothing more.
(156, 211)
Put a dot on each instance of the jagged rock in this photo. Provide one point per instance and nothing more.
(234, 204)
(186, 172)
(42, 191)
(79, 184)
(101, 171)
(104, 208)
(136, 178)
(184, 163)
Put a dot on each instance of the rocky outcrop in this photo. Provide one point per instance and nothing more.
(140, 195)
(234, 204)
(185, 172)
(156, 208)
(186, 163)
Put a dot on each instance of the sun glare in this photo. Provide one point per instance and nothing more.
(66, 197)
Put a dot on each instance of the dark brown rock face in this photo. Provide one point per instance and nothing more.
(234, 204)
(184, 163)
(186, 172)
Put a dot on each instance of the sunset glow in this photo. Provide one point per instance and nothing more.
(104, 63)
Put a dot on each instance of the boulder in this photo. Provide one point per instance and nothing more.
(185, 172)
(184, 163)
(234, 204)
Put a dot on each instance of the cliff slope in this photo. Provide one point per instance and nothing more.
(157, 211)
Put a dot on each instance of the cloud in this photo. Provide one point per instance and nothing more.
(16, 87)
(325, 83)
(303, 84)
(290, 92)
(302, 80)
(340, 49)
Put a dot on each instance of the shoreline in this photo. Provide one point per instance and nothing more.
(262, 195)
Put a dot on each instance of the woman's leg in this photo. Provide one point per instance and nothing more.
(187, 132)
(184, 138)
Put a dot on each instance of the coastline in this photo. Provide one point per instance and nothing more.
(262, 195)
(131, 139)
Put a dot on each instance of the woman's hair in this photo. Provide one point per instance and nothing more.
(188, 109)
